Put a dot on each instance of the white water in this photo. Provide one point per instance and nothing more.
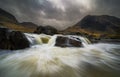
(47, 60)
(37, 39)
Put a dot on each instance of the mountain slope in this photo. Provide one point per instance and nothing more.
(29, 25)
(100, 23)
(97, 26)
(9, 21)
(5, 16)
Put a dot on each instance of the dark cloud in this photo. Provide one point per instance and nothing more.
(58, 13)
(110, 7)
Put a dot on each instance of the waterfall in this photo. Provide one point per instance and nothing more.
(51, 40)
(44, 59)
(37, 39)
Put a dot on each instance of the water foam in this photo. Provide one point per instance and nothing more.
(47, 60)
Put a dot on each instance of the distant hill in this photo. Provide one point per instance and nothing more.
(29, 25)
(97, 26)
(5, 16)
(9, 21)
(100, 23)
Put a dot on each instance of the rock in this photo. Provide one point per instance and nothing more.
(4, 38)
(50, 30)
(18, 40)
(39, 30)
(72, 33)
(67, 42)
(12, 40)
(46, 30)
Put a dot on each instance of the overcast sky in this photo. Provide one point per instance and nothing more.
(59, 13)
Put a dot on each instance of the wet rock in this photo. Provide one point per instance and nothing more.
(12, 40)
(67, 42)
(39, 30)
(46, 30)
(72, 33)
(4, 38)
(18, 40)
(49, 30)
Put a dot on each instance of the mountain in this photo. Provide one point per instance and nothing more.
(29, 25)
(97, 26)
(5, 16)
(102, 23)
(9, 21)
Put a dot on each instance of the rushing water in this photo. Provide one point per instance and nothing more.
(43, 59)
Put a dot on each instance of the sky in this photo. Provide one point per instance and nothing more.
(59, 13)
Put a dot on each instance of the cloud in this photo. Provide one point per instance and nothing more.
(57, 13)
(109, 7)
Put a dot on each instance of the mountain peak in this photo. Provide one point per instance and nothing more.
(6, 16)
(99, 23)
(97, 26)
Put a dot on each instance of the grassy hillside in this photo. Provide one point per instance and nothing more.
(9, 21)
(15, 26)
(97, 27)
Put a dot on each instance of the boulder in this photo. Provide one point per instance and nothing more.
(46, 30)
(18, 40)
(72, 33)
(50, 30)
(12, 40)
(67, 42)
(4, 38)
(39, 30)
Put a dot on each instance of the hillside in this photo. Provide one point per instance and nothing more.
(103, 26)
(9, 21)
(29, 25)
(5, 16)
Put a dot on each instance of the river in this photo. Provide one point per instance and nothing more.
(47, 60)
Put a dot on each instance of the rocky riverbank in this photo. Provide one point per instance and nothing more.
(12, 40)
